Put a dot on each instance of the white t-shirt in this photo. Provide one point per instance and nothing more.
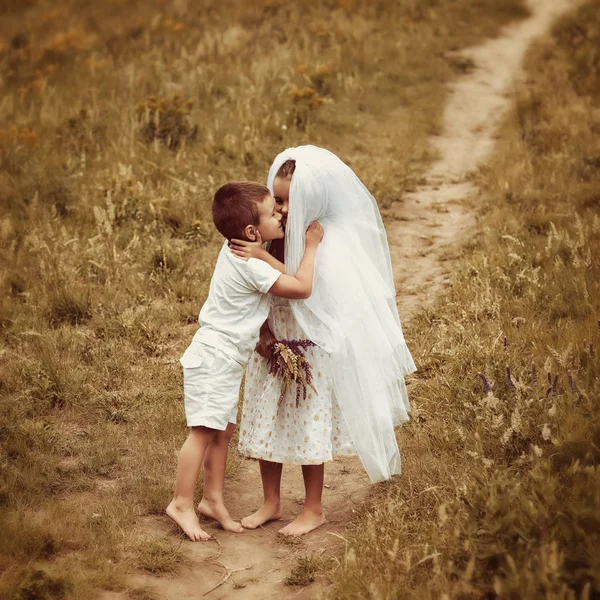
(237, 305)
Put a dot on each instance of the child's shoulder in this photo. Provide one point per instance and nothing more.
(231, 266)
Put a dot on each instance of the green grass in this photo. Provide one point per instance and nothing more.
(500, 495)
(119, 120)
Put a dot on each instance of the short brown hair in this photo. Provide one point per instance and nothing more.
(234, 207)
(287, 169)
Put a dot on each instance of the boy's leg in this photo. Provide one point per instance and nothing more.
(191, 455)
(215, 462)
(312, 515)
(270, 473)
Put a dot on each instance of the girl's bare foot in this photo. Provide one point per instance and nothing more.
(187, 519)
(219, 513)
(267, 512)
(305, 522)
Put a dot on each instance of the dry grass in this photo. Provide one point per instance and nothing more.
(500, 496)
(119, 119)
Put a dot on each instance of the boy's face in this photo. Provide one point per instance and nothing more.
(269, 226)
(281, 191)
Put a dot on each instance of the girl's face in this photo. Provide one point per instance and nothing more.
(281, 193)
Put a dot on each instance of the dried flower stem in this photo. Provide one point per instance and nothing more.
(287, 361)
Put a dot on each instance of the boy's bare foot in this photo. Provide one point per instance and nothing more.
(266, 513)
(187, 519)
(219, 513)
(305, 522)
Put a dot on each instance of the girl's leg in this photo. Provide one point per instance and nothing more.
(312, 515)
(215, 462)
(191, 455)
(270, 473)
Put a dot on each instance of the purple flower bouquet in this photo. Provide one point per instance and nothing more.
(288, 362)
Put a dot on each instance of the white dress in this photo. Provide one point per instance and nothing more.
(313, 432)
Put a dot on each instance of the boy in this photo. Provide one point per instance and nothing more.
(230, 320)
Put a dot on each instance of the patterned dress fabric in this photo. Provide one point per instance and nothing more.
(311, 433)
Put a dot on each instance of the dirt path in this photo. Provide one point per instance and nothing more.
(426, 226)
(440, 212)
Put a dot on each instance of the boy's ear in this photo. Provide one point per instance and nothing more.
(250, 231)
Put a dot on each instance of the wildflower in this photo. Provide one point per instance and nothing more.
(516, 424)
(537, 451)
(172, 25)
(546, 432)
(511, 383)
(323, 70)
(306, 95)
(533, 373)
(571, 382)
(288, 362)
(486, 384)
(167, 120)
(507, 435)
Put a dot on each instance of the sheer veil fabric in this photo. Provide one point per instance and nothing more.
(352, 311)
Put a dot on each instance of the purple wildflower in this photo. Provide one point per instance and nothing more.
(486, 384)
(279, 367)
(533, 373)
(554, 384)
(511, 383)
(571, 382)
(592, 353)
(505, 342)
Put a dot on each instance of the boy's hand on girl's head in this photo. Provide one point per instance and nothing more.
(245, 249)
(314, 234)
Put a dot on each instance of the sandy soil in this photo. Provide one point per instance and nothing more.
(430, 220)
(425, 232)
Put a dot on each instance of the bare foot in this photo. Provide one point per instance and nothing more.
(304, 523)
(266, 513)
(219, 513)
(187, 519)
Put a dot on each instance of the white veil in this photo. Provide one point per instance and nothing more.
(352, 311)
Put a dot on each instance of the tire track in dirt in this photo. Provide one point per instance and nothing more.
(424, 234)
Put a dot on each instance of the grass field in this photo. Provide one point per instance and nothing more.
(119, 120)
(500, 496)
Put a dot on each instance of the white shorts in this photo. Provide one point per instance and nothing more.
(211, 386)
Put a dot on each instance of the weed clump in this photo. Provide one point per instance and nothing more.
(40, 584)
(69, 306)
(306, 569)
(167, 121)
(160, 556)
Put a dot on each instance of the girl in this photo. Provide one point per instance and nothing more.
(361, 358)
